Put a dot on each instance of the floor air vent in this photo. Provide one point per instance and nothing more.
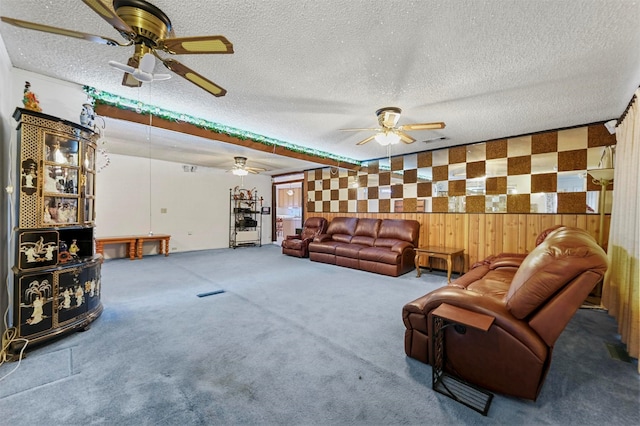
(210, 293)
(618, 351)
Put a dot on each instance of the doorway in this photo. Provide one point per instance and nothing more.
(288, 209)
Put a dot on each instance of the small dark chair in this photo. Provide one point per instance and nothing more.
(298, 245)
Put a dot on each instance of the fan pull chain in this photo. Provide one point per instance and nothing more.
(150, 164)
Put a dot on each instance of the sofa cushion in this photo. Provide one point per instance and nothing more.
(487, 281)
(563, 255)
(399, 229)
(494, 284)
(324, 246)
(367, 227)
(363, 241)
(349, 250)
(380, 255)
(343, 225)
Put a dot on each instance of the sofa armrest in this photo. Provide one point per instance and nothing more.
(470, 276)
(507, 261)
(493, 258)
(322, 237)
(401, 246)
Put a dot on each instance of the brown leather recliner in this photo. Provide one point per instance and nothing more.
(298, 245)
(532, 299)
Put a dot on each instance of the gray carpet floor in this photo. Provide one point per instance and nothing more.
(288, 342)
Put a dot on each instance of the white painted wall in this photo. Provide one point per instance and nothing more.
(7, 159)
(132, 193)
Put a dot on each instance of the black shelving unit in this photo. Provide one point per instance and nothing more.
(245, 221)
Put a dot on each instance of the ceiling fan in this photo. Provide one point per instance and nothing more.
(149, 30)
(240, 167)
(388, 133)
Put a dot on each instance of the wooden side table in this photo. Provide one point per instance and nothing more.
(446, 253)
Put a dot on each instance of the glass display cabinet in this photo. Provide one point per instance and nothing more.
(56, 273)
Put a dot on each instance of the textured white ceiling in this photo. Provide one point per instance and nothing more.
(304, 69)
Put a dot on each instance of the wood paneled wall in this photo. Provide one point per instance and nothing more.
(481, 234)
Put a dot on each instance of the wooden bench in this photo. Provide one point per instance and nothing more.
(162, 239)
(134, 243)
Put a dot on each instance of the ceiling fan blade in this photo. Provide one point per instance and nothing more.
(369, 139)
(62, 31)
(128, 79)
(405, 137)
(359, 130)
(193, 77)
(196, 45)
(423, 126)
(110, 16)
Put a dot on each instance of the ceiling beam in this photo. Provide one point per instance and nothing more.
(191, 129)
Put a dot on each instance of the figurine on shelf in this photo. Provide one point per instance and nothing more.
(74, 249)
(29, 99)
(87, 116)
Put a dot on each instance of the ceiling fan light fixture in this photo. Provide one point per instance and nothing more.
(387, 138)
(240, 172)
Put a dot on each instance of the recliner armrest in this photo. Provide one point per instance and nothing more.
(293, 237)
(507, 261)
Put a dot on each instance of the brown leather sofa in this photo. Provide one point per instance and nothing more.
(298, 245)
(383, 246)
(532, 298)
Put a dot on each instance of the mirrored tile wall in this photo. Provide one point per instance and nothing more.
(540, 173)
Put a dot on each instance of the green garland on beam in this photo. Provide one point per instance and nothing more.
(107, 98)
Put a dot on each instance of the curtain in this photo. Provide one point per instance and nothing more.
(621, 291)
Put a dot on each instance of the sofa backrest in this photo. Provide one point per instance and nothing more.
(554, 280)
(366, 231)
(313, 226)
(342, 229)
(399, 229)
